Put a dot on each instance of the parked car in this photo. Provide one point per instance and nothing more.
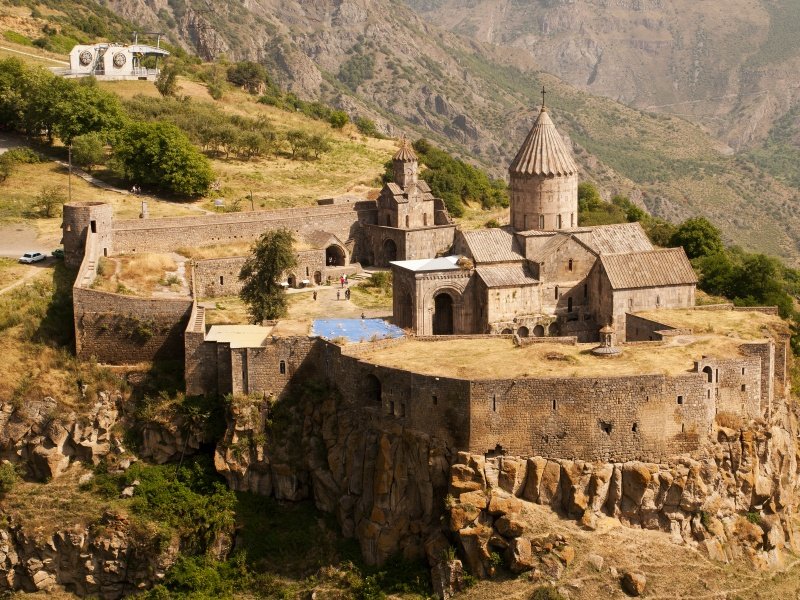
(31, 257)
(58, 253)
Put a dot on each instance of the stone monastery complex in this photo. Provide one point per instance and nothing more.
(500, 324)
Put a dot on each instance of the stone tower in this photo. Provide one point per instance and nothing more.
(405, 165)
(81, 218)
(544, 180)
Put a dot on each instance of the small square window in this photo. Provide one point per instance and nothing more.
(680, 399)
(744, 387)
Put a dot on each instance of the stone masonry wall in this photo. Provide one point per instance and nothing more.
(645, 417)
(167, 234)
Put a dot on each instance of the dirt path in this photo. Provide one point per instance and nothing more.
(39, 56)
(31, 271)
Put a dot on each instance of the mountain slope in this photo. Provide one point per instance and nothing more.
(712, 62)
(379, 59)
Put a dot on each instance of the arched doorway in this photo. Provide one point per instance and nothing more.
(443, 314)
(552, 331)
(317, 277)
(506, 331)
(389, 251)
(335, 256)
(709, 374)
(292, 280)
(538, 331)
(522, 332)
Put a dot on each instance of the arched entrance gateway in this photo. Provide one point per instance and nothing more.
(335, 256)
(443, 314)
(389, 251)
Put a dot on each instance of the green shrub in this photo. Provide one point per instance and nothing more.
(9, 475)
(17, 38)
(546, 592)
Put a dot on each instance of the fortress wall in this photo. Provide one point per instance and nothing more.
(200, 357)
(165, 235)
(262, 366)
(430, 242)
(765, 353)
(735, 384)
(215, 277)
(437, 406)
(121, 329)
(639, 329)
(590, 418)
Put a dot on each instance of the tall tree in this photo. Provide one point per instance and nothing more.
(272, 255)
(698, 237)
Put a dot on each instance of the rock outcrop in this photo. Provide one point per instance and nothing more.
(109, 559)
(44, 439)
(735, 500)
(384, 483)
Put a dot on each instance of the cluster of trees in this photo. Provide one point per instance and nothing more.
(78, 112)
(9, 161)
(454, 181)
(272, 255)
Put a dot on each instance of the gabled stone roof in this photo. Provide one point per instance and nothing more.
(618, 239)
(543, 152)
(505, 275)
(656, 268)
(492, 246)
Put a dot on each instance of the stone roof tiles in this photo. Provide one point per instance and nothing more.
(656, 268)
(618, 239)
(505, 275)
(492, 246)
(544, 151)
(406, 152)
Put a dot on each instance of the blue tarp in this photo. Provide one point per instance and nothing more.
(355, 330)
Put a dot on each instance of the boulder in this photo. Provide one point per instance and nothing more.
(596, 561)
(447, 579)
(633, 583)
(510, 526)
(519, 555)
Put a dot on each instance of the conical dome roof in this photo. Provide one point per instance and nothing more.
(406, 152)
(544, 152)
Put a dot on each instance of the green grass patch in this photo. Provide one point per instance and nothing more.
(17, 38)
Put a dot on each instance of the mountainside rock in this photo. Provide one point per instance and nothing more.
(106, 560)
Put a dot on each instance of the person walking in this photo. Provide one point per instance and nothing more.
(315, 295)
(338, 294)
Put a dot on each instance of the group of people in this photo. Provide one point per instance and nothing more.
(343, 281)
(136, 190)
(339, 294)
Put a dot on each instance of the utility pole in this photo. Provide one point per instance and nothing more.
(252, 206)
(69, 175)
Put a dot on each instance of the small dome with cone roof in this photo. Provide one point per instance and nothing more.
(406, 152)
(544, 152)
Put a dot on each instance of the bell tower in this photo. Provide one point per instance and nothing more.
(405, 165)
(543, 180)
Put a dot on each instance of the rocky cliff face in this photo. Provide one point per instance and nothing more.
(389, 486)
(108, 559)
(385, 484)
(737, 499)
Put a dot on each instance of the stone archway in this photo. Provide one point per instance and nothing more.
(317, 277)
(292, 280)
(552, 330)
(335, 256)
(709, 374)
(389, 251)
(523, 332)
(443, 314)
(538, 331)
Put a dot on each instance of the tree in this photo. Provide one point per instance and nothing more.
(49, 199)
(698, 237)
(588, 197)
(338, 119)
(272, 255)
(83, 107)
(167, 81)
(248, 75)
(160, 154)
(88, 150)
(298, 142)
(319, 144)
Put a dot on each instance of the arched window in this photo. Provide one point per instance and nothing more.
(373, 389)
(541, 221)
(709, 374)
(570, 264)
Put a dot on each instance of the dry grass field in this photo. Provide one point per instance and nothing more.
(499, 358)
(745, 325)
(138, 275)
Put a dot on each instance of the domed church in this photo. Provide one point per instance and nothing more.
(542, 275)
